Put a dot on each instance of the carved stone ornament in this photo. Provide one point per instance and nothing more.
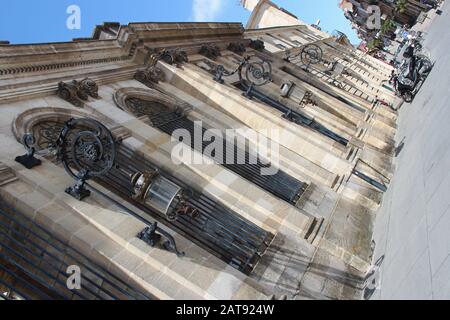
(237, 47)
(90, 87)
(257, 45)
(71, 92)
(210, 51)
(76, 92)
(150, 75)
(172, 56)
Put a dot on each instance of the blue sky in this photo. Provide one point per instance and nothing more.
(28, 21)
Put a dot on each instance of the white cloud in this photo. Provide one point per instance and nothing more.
(206, 10)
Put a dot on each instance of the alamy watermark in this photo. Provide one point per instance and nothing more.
(374, 19)
(373, 12)
(73, 22)
(261, 147)
(74, 277)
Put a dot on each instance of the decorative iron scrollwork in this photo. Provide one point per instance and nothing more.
(252, 73)
(256, 73)
(171, 56)
(210, 51)
(257, 45)
(310, 54)
(237, 47)
(76, 92)
(150, 75)
(87, 149)
(217, 70)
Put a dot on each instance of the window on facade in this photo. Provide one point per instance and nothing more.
(280, 184)
(213, 229)
(297, 117)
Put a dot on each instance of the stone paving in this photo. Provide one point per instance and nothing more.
(412, 226)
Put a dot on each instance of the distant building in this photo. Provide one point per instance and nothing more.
(404, 12)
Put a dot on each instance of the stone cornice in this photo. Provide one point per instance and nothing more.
(32, 70)
(27, 58)
(14, 70)
(38, 88)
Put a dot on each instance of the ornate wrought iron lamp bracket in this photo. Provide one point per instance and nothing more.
(221, 72)
(310, 54)
(251, 74)
(87, 150)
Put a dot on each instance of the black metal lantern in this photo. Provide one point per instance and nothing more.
(161, 195)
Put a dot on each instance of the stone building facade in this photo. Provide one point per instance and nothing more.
(301, 233)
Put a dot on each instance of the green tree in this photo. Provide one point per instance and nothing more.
(401, 6)
(374, 44)
(387, 26)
